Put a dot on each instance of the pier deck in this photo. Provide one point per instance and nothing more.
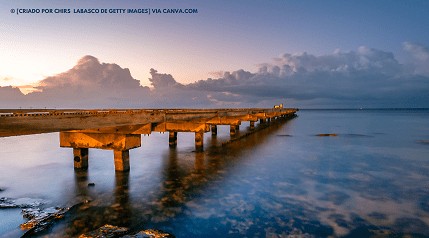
(120, 129)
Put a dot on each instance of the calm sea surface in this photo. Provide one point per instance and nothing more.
(371, 179)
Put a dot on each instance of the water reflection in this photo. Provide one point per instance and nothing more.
(185, 176)
(278, 182)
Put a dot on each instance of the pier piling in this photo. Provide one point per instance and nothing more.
(214, 130)
(172, 139)
(122, 160)
(80, 156)
(120, 129)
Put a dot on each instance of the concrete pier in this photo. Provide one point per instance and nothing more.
(121, 130)
(122, 160)
(199, 141)
(232, 130)
(172, 139)
(120, 144)
(214, 130)
(80, 156)
(252, 125)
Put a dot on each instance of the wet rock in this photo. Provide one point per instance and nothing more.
(151, 233)
(110, 231)
(106, 231)
(20, 202)
(2, 189)
(424, 142)
(333, 134)
(91, 184)
(296, 233)
(41, 219)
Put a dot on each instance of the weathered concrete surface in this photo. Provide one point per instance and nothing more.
(80, 157)
(108, 141)
(121, 130)
(199, 140)
(122, 160)
(182, 126)
(172, 139)
(119, 143)
(125, 121)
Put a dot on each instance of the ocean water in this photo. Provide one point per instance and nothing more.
(325, 173)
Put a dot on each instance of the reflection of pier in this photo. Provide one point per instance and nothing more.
(121, 130)
(138, 204)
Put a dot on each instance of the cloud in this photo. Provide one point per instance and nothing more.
(216, 74)
(420, 54)
(9, 96)
(89, 75)
(365, 77)
(162, 81)
(418, 51)
(90, 84)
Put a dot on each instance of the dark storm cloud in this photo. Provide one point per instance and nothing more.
(366, 77)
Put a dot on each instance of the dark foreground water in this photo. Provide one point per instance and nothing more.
(370, 180)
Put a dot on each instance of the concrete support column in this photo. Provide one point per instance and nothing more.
(172, 139)
(269, 119)
(80, 156)
(214, 130)
(252, 125)
(237, 127)
(261, 121)
(199, 141)
(232, 130)
(122, 160)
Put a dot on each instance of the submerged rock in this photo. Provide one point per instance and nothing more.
(110, 231)
(425, 142)
(107, 231)
(20, 202)
(41, 219)
(155, 234)
(332, 134)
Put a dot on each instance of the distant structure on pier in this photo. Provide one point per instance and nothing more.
(278, 106)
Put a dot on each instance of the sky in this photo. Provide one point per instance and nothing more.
(307, 54)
